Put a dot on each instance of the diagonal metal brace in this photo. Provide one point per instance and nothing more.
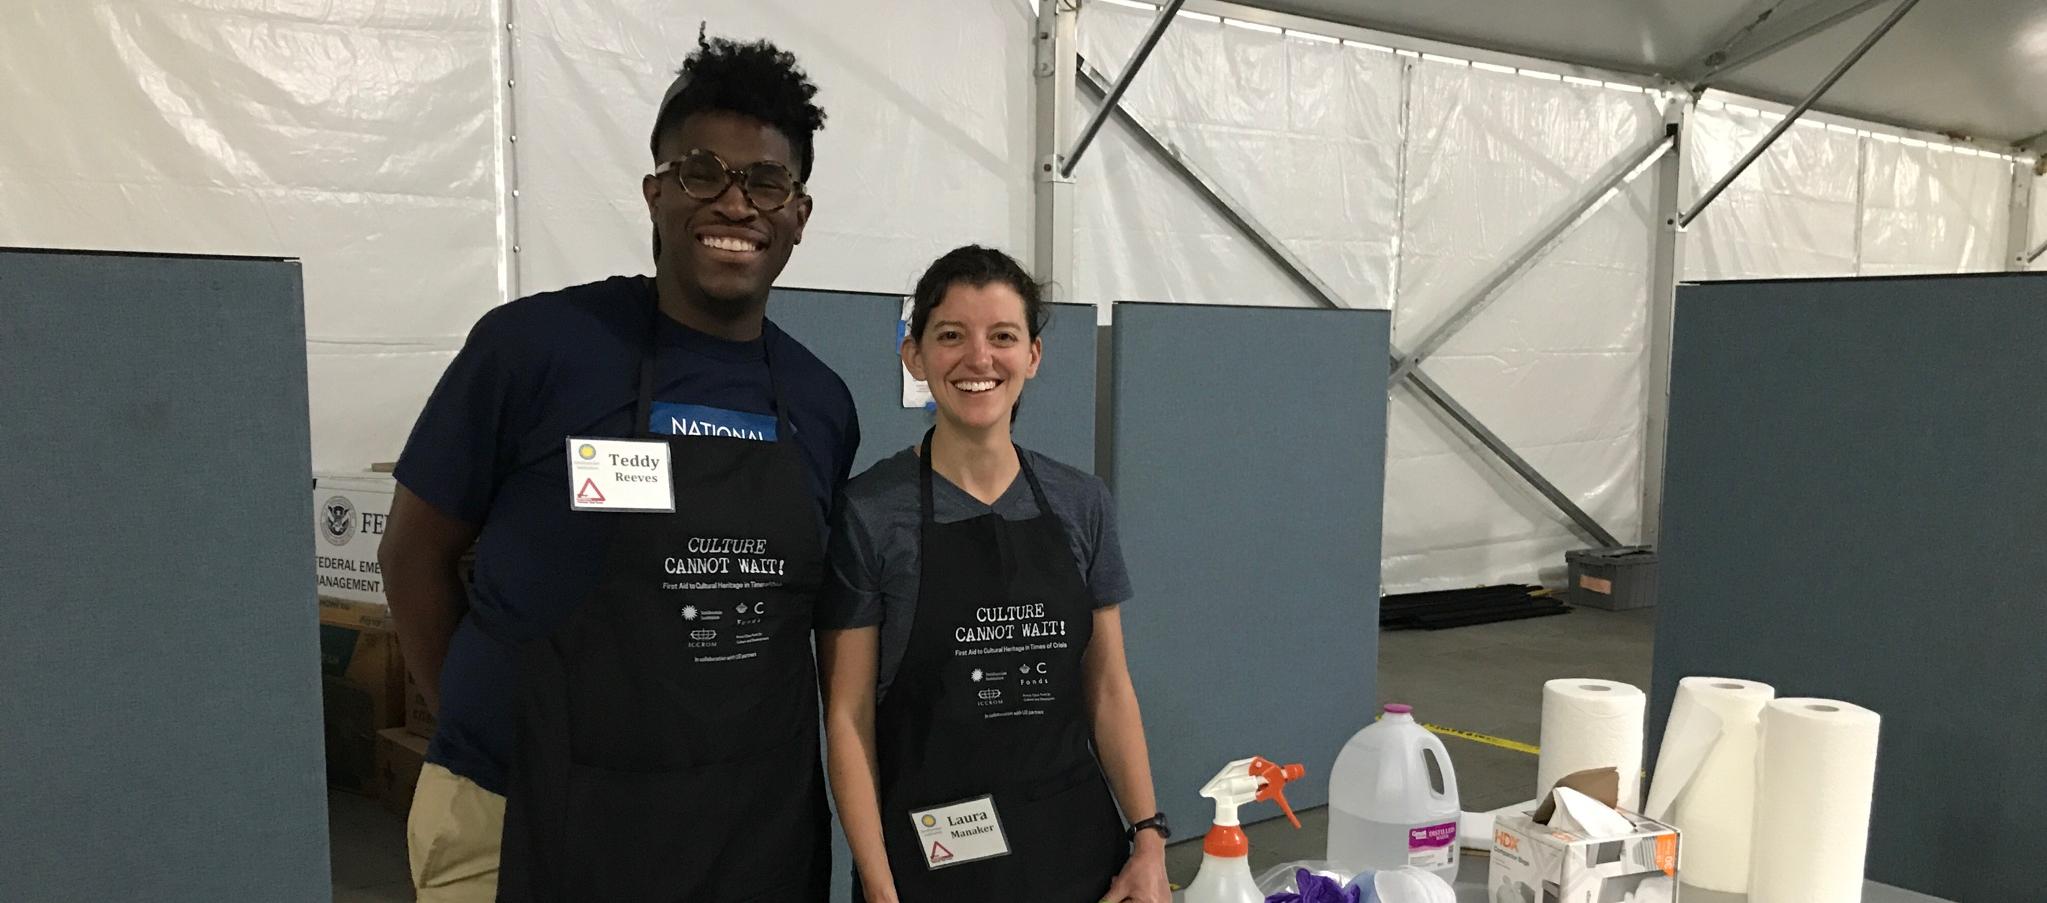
(1775, 31)
(1791, 118)
(1123, 80)
(1430, 390)
(1092, 80)
(1489, 291)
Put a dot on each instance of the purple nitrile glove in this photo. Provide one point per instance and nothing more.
(1317, 889)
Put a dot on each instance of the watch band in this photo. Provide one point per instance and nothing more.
(1154, 823)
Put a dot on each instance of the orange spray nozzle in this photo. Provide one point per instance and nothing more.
(1276, 777)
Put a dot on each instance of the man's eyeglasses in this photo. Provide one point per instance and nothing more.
(768, 186)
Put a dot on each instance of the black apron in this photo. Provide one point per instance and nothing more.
(667, 730)
(989, 700)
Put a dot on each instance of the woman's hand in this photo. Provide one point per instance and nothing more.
(1143, 879)
(881, 894)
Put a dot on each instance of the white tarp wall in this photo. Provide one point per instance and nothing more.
(358, 135)
(1338, 147)
(372, 139)
(926, 146)
(1835, 198)
(1316, 138)
(1305, 134)
(1555, 365)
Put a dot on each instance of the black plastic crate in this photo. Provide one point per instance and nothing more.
(1616, 579)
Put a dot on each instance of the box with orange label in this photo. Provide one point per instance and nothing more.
(1535, 863)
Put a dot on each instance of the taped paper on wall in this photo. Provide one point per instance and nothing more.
(916, 393)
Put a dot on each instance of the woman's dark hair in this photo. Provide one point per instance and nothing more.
(976, 266)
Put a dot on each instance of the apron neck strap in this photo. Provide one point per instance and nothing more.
(924, 472)
(650, 352)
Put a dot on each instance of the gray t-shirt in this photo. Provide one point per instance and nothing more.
(875, 547)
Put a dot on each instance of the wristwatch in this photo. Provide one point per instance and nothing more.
(1154, 823)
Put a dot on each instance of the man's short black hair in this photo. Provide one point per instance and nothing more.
(754, 79)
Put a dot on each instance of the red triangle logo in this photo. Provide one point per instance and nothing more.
(590, 494)
(939, 853)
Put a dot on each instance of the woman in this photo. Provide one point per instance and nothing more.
(971, 643)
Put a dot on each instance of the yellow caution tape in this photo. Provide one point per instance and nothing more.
(1487, 739)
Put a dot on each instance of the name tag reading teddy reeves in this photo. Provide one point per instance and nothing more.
(960, 833)
(619, 475)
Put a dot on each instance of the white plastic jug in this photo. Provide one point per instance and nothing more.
(1385, 811)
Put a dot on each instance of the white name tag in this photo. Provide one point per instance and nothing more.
(960, 833)
(619, 475)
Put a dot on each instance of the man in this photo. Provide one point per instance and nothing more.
(626, 692)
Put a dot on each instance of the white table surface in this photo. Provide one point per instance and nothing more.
(1472, 872)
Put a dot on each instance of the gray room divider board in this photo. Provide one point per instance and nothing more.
(1249, 469)
(856, 334)
(161, 734)
(1854, 509)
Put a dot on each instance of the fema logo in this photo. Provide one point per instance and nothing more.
(586, 451)
(337, 520)
(929, 821)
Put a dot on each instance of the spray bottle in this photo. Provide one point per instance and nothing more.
(1225, 875)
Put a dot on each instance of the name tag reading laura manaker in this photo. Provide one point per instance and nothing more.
(619, 475)
(960, 833)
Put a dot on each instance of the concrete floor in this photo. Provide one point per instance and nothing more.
(1486, 679)
(368, 844)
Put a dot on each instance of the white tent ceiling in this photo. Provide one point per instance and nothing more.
(1969, 67)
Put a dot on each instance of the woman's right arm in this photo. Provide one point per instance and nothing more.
(849, 660)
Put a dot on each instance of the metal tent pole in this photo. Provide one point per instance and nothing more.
(1123, 80)
(1791, 118)
(1776, 32)
(1536, 249)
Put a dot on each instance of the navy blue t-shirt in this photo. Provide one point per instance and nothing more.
(489, 449)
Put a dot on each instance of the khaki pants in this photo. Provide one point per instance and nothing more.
(453, 836)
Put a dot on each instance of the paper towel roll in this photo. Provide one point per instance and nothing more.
(1705, 782)
(1590, 723)
(1816, 774)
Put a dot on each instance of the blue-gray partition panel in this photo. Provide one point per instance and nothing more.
(1249, 469)
(1854, 509)
(161, 720)
(856, 334)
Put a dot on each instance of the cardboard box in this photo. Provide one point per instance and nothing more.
(362, 692)
(400, 754)
(373, 615)
(418, 718)
(1533, 863)
(348, 522)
